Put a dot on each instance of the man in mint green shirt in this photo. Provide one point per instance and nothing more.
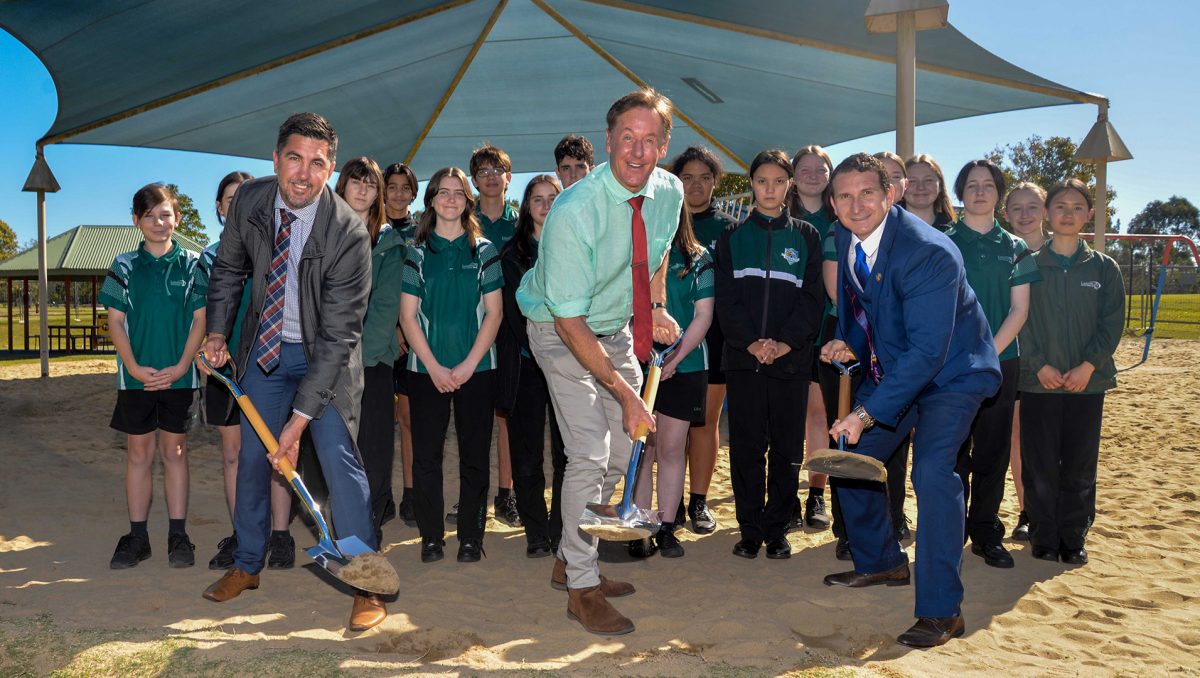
(579, 298)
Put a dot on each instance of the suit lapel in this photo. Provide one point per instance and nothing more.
(883, 255)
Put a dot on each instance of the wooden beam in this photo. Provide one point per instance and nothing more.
(624, 70)
(1079, 97)
(458, 76)
(249, 72)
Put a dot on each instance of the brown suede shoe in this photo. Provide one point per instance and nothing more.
(368, 611)
(897, 576)
(591, 609)
(610, 588)
(233, 582)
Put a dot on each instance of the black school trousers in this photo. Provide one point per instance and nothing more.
(983, 459)
(474, 412)
(377, 437)
(766, 447)
(1060, 450)
(527, 448)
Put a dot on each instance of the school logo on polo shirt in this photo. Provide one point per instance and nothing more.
(790, 255)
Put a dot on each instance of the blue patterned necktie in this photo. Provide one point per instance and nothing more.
(861, 271)
(860, 337)
(271, 328)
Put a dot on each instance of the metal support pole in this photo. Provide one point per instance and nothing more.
(43, 286)
(906, 83)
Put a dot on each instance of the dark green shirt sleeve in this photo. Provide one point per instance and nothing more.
(1110, 323)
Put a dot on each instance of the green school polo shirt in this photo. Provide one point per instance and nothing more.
(996, 262)
(707, 226)
(207, 258)
(158, 296)
(450, 281)
(818, 219)
(500, 230)
(682, 295)
(587, 249)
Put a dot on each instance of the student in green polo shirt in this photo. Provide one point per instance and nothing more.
(361, 185)
(1000, 271)
(682, 389)
(769, 300)
(155, 301)
(491, 172)
(450, 310)
(700, 171)
(1025, 211)
(808, 202)
(1076, 316)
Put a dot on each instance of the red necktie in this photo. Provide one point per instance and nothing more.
(642, 324)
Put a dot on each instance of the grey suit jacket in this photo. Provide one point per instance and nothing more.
(335, 282)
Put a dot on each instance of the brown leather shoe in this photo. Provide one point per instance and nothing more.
(897, 576)
(610, 588)
(368, 611)
(591, 609)
(933, 631)
(233, 582)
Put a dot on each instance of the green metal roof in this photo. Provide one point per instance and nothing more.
(83, 251)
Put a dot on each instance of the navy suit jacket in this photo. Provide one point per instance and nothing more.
(928, 328)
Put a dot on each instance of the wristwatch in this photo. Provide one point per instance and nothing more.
(861, 412)
(657, 305)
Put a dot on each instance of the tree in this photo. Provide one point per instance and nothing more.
(1044, 162)
(189, 217)
(8, 241)
(1176, 216)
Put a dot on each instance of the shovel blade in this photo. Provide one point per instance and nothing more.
(842, 464)
(605, 521)
(354, 563)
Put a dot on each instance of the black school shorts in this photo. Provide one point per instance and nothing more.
(140, 412)
(683, 396)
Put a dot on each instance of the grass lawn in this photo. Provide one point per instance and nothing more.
(57, 316)
(1178, 315)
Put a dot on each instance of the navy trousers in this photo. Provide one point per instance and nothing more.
(272, 395)
(942, 419)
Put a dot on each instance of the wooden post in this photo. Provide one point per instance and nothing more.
(25, 309)
(906, 83)
(10, 313)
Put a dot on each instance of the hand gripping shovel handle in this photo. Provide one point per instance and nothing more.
(333, 556)
(839, 463)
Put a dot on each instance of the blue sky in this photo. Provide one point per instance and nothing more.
(1144, 57)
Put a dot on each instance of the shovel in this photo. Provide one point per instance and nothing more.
(349, 559)
(839, 463)
(625, 521)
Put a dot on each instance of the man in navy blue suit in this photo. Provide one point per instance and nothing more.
(906, 312)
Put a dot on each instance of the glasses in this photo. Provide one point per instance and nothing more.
(488, 172)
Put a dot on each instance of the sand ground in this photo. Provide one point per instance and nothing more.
(1133, 610)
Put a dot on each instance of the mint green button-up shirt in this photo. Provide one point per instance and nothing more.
(586, 251)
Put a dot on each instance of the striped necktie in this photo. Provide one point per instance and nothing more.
(270, 335)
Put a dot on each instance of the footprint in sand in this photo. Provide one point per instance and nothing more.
(1184, 496)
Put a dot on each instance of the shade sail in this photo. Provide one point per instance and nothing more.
(428, 81)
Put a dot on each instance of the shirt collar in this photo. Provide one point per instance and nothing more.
(169, 256)
(616, 191)
(306, 214)
(995, 234)
(871, 244)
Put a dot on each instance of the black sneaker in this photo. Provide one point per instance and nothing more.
(904, 532)
(281, 551)
(668, 544)
(407, 514)
(389, 512)
(702, 519)
(431, 550)
(224, 558)
(642, 548)
(842, 550)
(470, 550)
(181, 552)
(131, 550)
(452, 515)
(1021, 531)
(814, 512)
(506, 509)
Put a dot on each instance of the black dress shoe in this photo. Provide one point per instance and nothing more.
(431, 550)
(993, 554)
(897, 576)
(779, 549)
(1021, 531)
(470, 550)
(933, 631)
(747, 548)
(842, 551)
(1043, 553)
(1074, 556)
(538, 549)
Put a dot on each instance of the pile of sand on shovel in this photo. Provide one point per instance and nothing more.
(371, 572)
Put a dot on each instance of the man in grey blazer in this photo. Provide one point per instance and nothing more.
(308, 257)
